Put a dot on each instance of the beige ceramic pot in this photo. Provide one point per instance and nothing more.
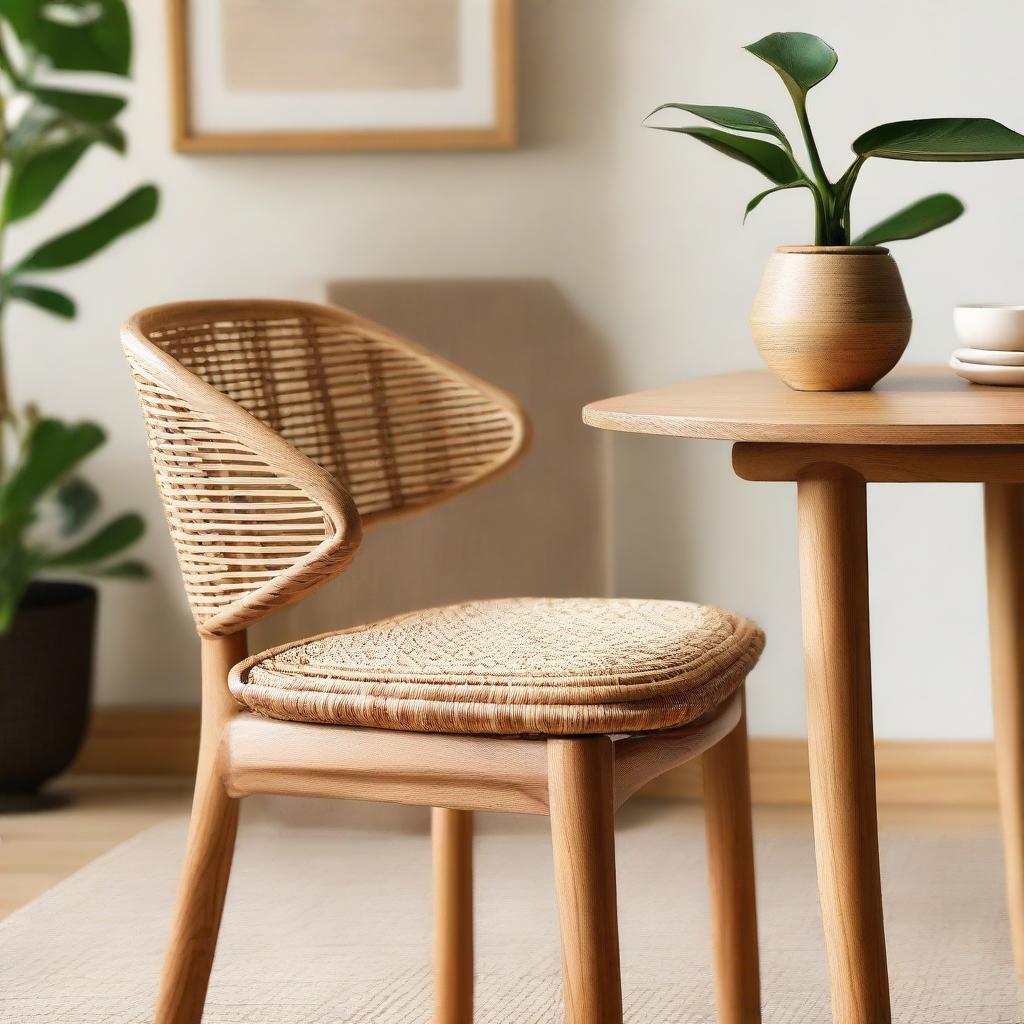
(831, 318)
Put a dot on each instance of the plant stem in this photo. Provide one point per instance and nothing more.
(820, 218)
(825, 233)
(844, 193)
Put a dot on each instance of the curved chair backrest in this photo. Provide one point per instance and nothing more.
(277, 429)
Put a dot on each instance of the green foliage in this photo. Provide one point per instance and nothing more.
(49, 299)
(87, 239)
(774, 163)
(738, 118)
(916, 219)
(77, 500)
(948, 139)
(74, 35)
(45, 505)
(802, 61)
(43, 476)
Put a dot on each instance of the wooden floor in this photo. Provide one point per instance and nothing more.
(38, 850)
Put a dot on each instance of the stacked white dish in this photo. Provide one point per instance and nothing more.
(993, 337)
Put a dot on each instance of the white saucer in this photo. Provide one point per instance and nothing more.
(989, 357)
(1008, 376)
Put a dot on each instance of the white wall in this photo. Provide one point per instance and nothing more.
(641, 231)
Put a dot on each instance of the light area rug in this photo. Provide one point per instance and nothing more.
(330, 924)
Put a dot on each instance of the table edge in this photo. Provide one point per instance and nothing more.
(882, 434)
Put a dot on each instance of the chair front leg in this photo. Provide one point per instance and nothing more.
(727, 817)
(208, 854)
(581, 796)
(452, 833)
(204, 881)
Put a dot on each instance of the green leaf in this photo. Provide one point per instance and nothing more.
(78, 501)
(75, 35)
(108, 541)
(35, 179)
(757, 200)
(129, 569)
(49, 299)
(942, 139)
(916, 219)
(844, 186)
(17, 567)
(771, 160)
(53, 448)
(84, 106)
(738, 118)
(86, 240)
(802, 60)
(112, 136)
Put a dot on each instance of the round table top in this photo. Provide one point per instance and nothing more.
(913, 405)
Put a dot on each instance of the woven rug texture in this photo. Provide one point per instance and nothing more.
(329, 923)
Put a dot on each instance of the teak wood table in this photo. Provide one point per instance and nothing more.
(918, 425)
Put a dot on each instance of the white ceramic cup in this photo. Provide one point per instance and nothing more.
(998, 328)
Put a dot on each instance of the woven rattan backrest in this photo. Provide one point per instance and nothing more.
(276, 428)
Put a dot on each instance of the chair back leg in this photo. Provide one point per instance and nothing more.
(208, 854)
(581, 795)
(726, 769)
(452, 833)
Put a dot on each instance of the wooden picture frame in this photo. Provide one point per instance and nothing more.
(190, 137)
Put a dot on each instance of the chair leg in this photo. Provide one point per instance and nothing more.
(211, 845)
(452, 833)
(726, 770)
(581, 794)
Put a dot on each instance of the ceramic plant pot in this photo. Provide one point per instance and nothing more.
(45, 685)
(831, 318)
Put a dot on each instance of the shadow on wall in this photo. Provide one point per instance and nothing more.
(541, 529)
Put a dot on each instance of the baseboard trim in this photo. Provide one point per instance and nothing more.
(165, 741)
(909, 772)
(140, 741)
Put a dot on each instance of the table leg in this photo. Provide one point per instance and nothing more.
(832, 504)
(1004, 543)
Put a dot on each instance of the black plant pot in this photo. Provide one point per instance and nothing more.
(45, 687)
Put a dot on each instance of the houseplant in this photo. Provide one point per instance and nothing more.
(46, 507)
(834, 316)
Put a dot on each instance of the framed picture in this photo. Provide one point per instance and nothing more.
(342, 74)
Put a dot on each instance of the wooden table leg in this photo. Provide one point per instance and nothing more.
(837, 657)
(1004, 542)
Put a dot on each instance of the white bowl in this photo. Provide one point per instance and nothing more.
(1000, 328)
(989, 357)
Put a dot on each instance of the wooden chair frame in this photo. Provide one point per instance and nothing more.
(578, 782)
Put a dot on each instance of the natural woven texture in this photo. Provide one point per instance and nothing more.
(393, 426)
(517, 666)
(238, 524)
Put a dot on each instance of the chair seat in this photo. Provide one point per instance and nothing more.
(518, 666)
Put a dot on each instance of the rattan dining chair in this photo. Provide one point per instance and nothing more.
(278, 430)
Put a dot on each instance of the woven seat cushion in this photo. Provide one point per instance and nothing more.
(517, 666)
(522, 666)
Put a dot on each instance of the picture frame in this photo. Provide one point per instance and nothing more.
(218, 53)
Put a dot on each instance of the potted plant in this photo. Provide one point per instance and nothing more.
(833, 316)
(46, 507)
